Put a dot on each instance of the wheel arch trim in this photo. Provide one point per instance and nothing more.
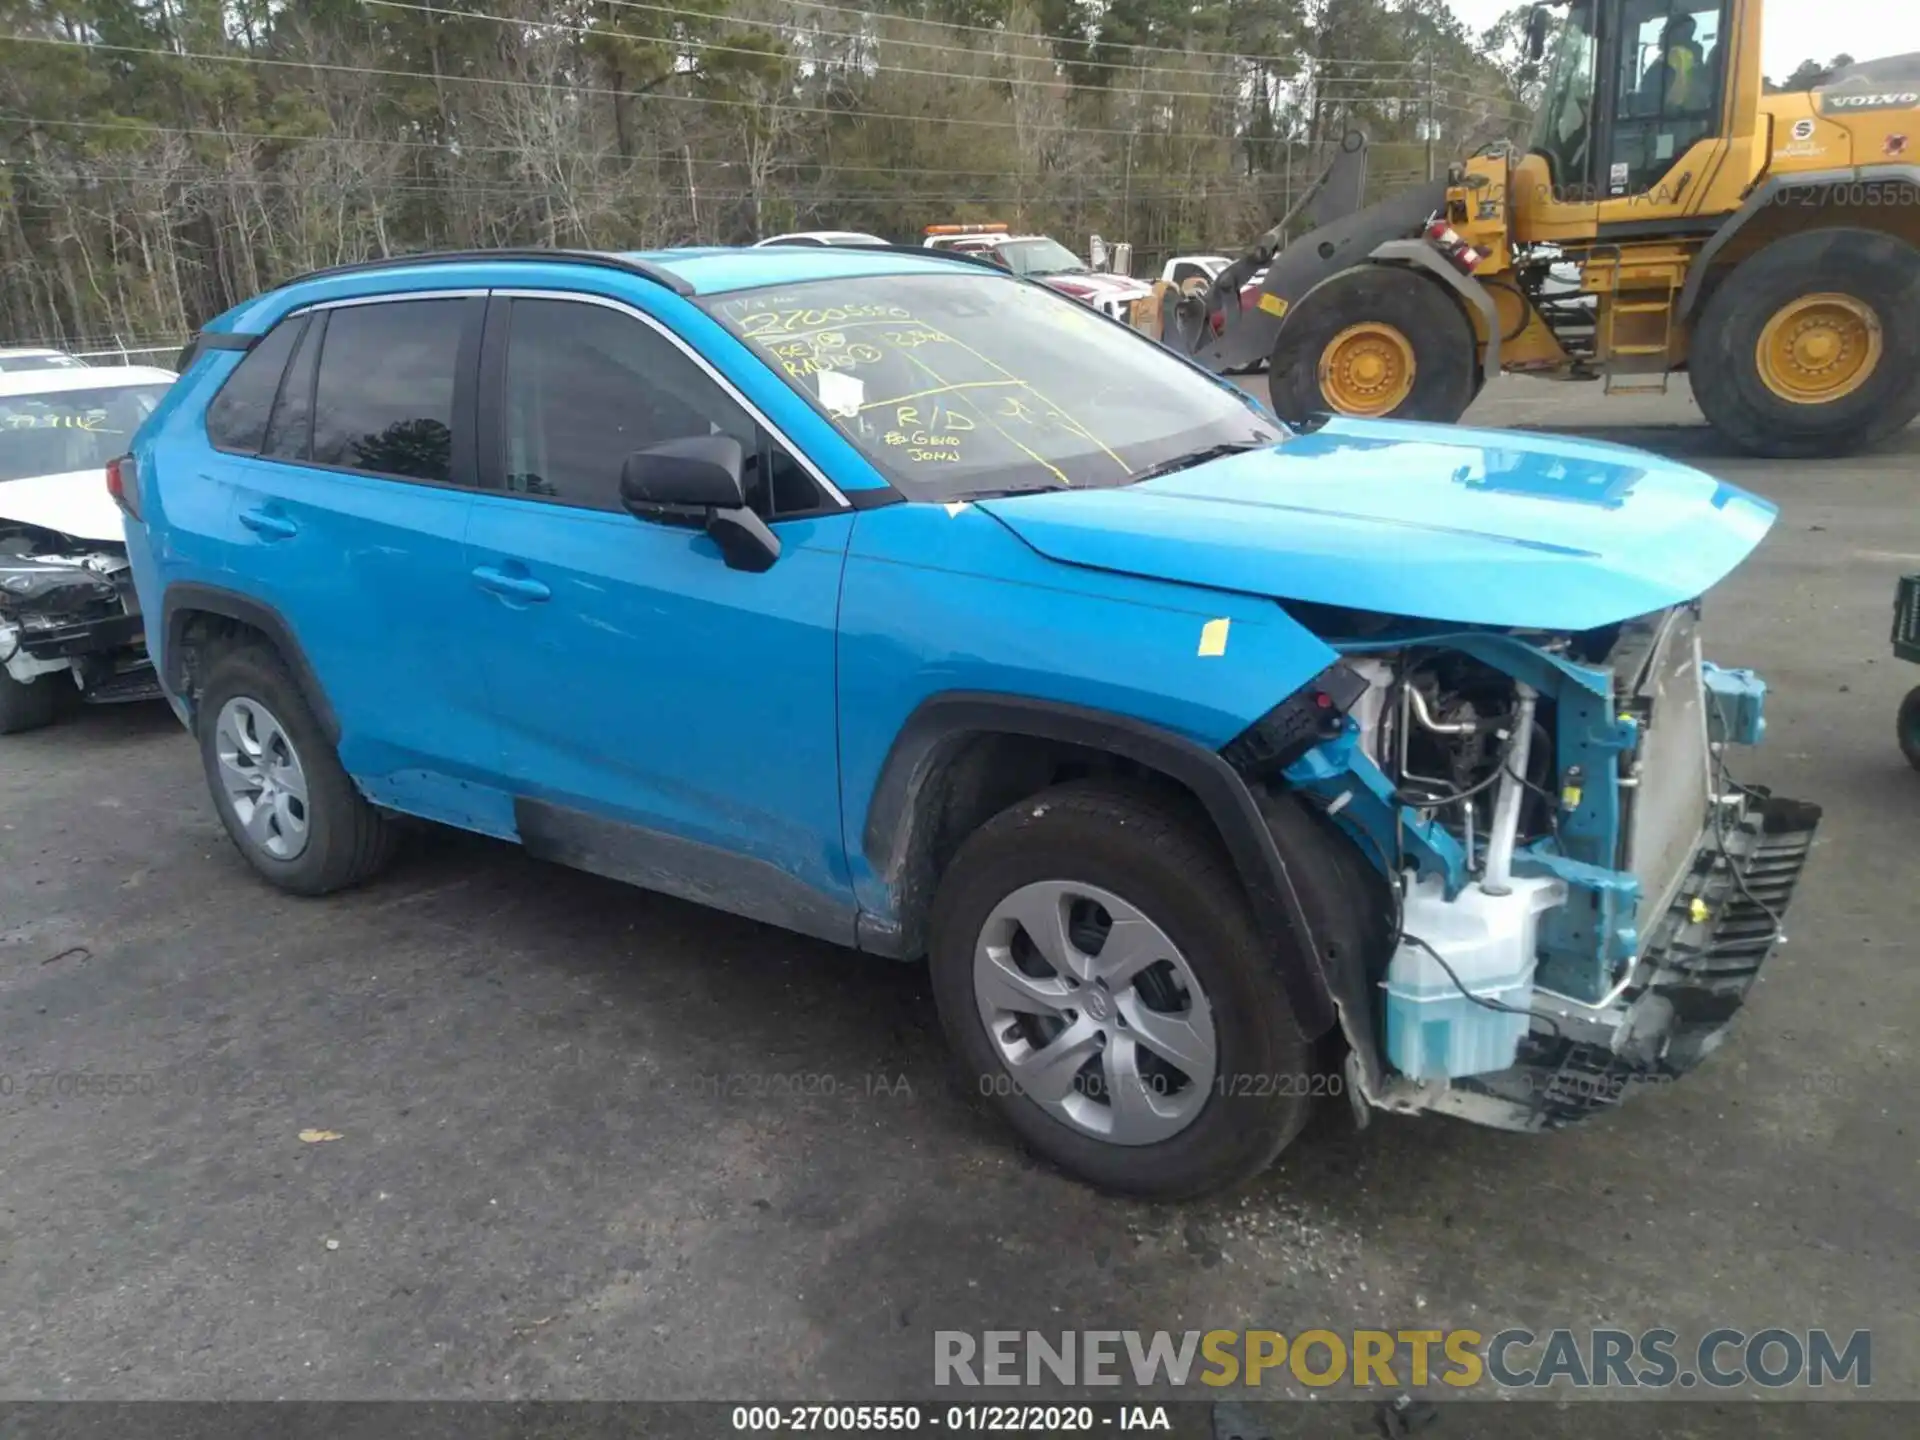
(186, 599)
(927, 739)
(1421, 256)
(1768, 192)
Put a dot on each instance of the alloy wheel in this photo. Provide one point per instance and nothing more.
(1095, 1013)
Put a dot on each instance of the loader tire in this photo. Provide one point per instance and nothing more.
(1811, 348)
(1379, 342)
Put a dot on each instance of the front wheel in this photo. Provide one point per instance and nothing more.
(1909, 727)
(1810, 348)
(1377, 342)
(1100, 974)
(29, 704)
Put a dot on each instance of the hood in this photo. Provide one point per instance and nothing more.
(75, 503)
(1475, 527)
(1097, 285)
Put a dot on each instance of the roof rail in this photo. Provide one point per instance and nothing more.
(925, 252)
(606, 259)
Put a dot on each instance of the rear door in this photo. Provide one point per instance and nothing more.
(350, 522)
(668, 720)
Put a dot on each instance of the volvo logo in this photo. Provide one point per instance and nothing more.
(1890, 100)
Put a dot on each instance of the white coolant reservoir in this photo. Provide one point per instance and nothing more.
(1433, 1031)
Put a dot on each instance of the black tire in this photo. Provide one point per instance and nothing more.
(1144, 848)
(30, 704)
(1880, 271)
(348, 840)
(1446, 367)
(1909, 727)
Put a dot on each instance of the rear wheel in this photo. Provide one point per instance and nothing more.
(1102, 979)
(1379, 342)
(1811, 347)
(1909, 727)
(280, 789)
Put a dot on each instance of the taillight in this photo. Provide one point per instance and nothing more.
(123, 483)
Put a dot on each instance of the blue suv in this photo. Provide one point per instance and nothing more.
(1214, 767)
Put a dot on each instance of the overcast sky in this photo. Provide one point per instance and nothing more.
(1796, 29)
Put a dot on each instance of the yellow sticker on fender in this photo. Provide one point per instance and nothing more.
(1273, 305)
(1213, 638)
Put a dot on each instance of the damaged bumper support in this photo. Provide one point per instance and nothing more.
(1576, 1059)
(1583, 897)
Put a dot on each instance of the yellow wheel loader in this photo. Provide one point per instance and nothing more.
(1767, 245)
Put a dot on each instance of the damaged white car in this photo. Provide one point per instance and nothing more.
(70, 628)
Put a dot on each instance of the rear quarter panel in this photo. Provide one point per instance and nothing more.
(182, 533)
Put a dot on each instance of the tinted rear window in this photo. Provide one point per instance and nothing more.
(384, 402)
(237, 419)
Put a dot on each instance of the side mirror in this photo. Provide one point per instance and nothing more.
(700, 480)
(1538, 23)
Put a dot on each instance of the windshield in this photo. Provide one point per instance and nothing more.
(1040, 257)
(969, 384)
(1563, 131)
(76, 430)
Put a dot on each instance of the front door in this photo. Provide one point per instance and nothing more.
(665, 719)
(1669, 68)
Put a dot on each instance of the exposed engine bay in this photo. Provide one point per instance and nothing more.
(1582, 893)
(69, 615)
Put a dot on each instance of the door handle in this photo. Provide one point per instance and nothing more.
(268, 524)
(511, 587)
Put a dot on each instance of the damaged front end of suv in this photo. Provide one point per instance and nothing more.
(1565, 893)
(1585, 893)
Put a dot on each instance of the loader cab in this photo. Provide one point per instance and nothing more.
(1641, 98)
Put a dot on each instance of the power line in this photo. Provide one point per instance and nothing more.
(501, 82)
(1051, 81)
(998, 34)
(538, 189)
(1409, 69)
(461, 149)
(1048, 38)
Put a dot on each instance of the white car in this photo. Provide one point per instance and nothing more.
(70, 626)
(23, 359)
(823, 237)
(1042, 258)
(1192, 272)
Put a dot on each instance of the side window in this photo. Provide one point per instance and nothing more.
(384, 400)
(588, 386)
(237, 418)
(290, 432)
(1671, 57)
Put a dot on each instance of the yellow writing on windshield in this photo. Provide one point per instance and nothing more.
(93, 424)
(806, 342)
